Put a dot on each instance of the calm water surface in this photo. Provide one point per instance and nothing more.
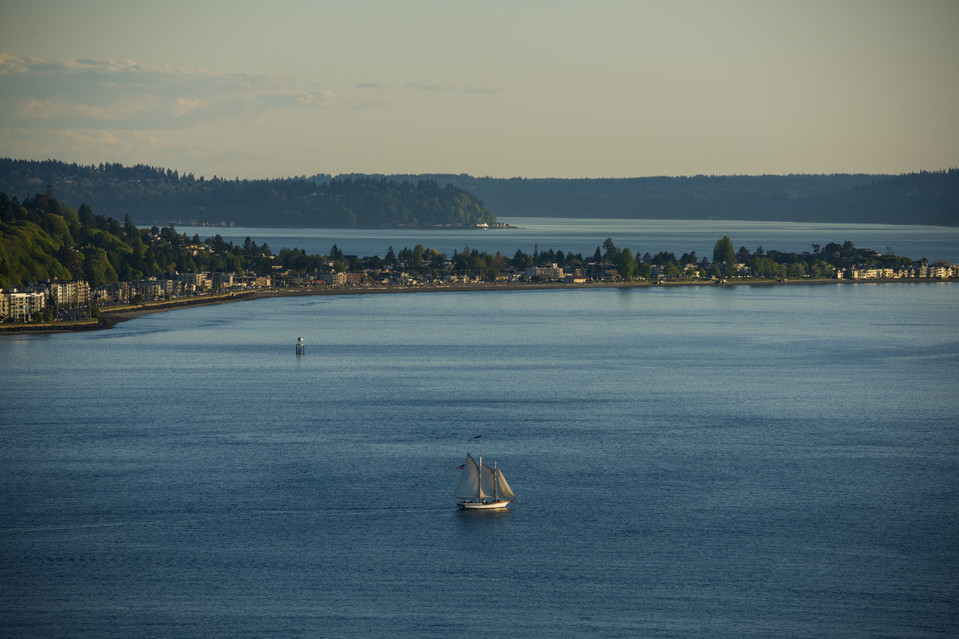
(696, 462)
(584, 236)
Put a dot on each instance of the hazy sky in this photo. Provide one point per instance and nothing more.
(513, 88)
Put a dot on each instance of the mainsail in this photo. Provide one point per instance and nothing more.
(469, 486)
(488, 483)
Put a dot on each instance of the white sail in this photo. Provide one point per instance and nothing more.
(502, 488)
(469, 485)
(487, 483)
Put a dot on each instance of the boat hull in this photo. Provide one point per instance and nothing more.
(483, 505)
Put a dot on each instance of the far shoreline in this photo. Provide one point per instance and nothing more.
(112, 316)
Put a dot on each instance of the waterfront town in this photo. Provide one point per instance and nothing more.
(58, 301)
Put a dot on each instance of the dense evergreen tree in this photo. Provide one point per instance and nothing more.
(612, 253)
(626, 264)
(723, 252)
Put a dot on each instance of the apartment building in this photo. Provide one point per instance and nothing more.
(64, 294)
(20, 306)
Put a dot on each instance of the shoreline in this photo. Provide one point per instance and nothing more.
(112, 316)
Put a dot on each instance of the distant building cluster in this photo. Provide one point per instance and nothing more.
(913, 271)
(57, 300)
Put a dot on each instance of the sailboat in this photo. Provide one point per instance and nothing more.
(482, 487)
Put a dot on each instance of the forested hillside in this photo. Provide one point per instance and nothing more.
(915, 198)
(151, 195)
(42, 239)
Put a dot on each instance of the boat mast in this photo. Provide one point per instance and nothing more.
(479, 488)
(480, 492)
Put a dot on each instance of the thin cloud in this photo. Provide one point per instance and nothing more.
(447, 88)
(426, 86)
(106, 94)
(433, 87)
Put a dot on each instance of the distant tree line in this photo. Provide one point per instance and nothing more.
(822, 262)
(155, 195)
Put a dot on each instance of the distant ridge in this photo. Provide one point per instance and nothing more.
(924, 198)
(156, 195)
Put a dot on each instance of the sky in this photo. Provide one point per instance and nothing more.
(520, 88)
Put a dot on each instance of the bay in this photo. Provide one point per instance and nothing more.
(696, 462)
(584, 236)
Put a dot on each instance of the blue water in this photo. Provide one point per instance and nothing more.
(688, 462)
(585, 236)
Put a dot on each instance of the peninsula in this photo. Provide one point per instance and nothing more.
(62, 269)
